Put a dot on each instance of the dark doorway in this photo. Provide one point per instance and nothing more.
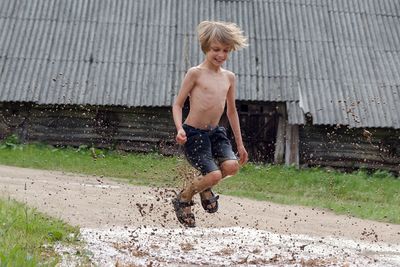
(259, 123)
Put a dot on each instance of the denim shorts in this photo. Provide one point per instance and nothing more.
(207, 149)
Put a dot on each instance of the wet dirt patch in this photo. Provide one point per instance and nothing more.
(233, 246)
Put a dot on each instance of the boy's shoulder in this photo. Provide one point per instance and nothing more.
(193, 71)
(229, 73)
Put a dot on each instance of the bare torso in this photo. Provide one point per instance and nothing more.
(208, 98)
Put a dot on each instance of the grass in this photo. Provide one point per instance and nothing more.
(141, 169)
(375, 197)
(359, 194)
(27, 237)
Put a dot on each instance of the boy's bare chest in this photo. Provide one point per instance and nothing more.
(213, 85)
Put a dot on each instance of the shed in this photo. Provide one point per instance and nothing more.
(319, 84)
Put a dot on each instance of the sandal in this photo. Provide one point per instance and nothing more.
(185, 218)
(207, 202)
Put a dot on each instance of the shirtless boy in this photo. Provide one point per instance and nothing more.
(206, 146)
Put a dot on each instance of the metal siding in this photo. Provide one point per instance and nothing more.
(295, 113)
(369, 108)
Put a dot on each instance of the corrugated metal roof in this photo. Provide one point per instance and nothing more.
(338, 60)
(88, 52)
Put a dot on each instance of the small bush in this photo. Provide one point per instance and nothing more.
(11, 142)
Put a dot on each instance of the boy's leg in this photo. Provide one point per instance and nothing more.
(201, 183)
(228, 169)
(223, 152)
(198, 151)
(199, 154)
(228, 163)
(183, 202)
(201, 149)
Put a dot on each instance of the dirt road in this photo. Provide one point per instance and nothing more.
(131, 225)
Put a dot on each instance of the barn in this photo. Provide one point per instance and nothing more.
(318, 85)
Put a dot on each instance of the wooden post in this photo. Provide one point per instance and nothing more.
(280, 135)
(292, 145)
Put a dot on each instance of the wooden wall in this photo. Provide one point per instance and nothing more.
(152, 129)
(131, 129)
(350, 148)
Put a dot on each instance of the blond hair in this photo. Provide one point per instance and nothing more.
(224, 32)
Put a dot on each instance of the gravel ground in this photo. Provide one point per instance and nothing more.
(126, 225)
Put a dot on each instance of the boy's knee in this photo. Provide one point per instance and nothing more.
(230, 167)
(214, 177)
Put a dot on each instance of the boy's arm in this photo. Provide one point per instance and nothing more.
(233, 118)
(187, 85)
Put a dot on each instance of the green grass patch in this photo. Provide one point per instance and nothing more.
(141, 169)
(27, 237)
(359, 194)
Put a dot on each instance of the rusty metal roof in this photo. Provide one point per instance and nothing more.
(338, 60)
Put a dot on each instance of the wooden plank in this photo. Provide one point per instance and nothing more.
(280, 136)
(280, 141)
(292, 145)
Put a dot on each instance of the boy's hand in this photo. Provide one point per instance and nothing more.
(243, 156)
(181, 137)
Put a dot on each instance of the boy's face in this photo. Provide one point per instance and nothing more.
(218, 53)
